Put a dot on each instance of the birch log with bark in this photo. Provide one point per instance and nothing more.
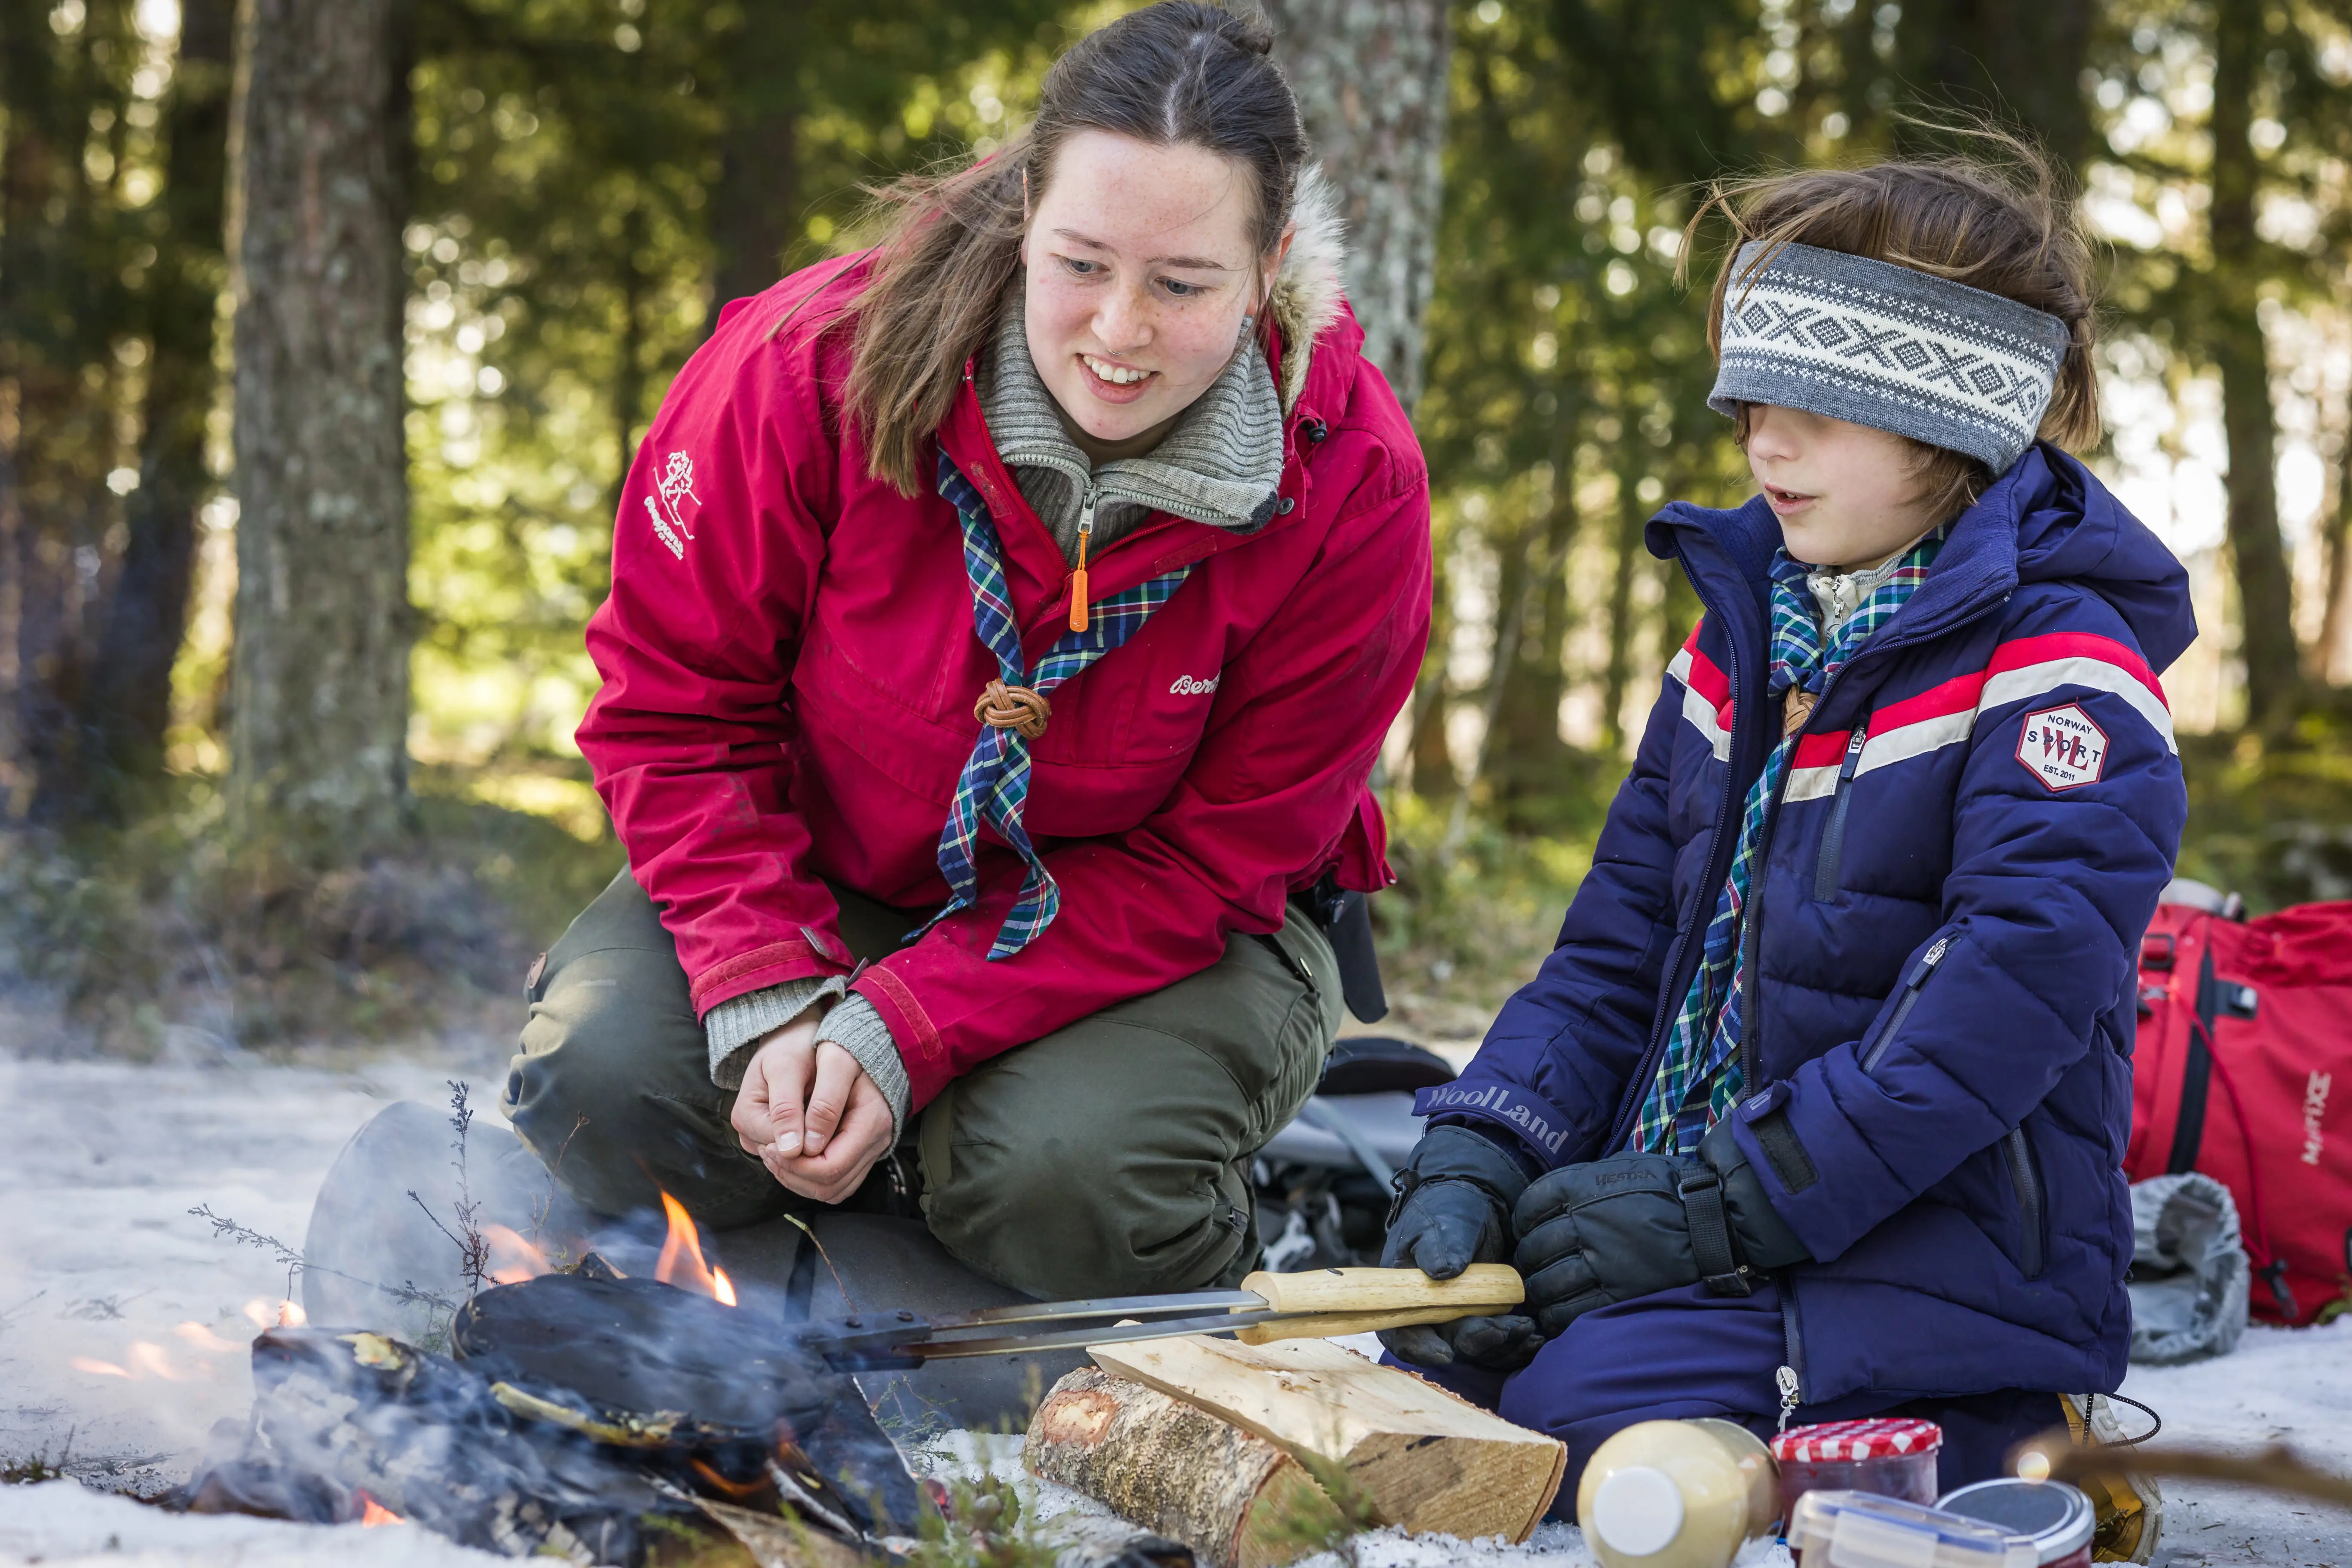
(319, 730)
(1371, 78)
(1231, 1496)
(1421, 1456)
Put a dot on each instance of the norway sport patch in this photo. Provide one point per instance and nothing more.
(2062, 747)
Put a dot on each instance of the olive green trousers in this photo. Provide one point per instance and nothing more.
(1110, 1156)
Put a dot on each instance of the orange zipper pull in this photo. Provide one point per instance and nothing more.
(1078, 574)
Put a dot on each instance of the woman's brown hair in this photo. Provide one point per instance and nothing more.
(1177, 73)
(2005, 222)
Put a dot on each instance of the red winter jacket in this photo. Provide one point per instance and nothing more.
(789, 668)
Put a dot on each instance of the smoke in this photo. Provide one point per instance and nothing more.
(115, 1302)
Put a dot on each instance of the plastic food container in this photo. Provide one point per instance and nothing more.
(2056, 1518)
(1890, 1455)
(1677, 1494)
(1863, 1530)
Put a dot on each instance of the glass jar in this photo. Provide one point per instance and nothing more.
(2056, 1518)
(1891, 1456)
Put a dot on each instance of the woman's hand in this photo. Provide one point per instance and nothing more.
(811, 1114)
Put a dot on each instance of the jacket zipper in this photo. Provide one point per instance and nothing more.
(1789, 1380)
(1718, 865)
(1751, 937)
(1912, 985)
(2027, 1180)
(1825, 874)
(1078, 604)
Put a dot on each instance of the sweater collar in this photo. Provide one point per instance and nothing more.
(1219, 465)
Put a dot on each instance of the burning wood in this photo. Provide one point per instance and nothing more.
(573, 1411)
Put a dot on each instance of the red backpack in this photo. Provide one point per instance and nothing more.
(2245, 1027)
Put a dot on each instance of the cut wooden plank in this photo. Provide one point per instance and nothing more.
(1424, 1458)
(1236, 1499)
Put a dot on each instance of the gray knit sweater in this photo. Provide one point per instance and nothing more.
(1219, 465)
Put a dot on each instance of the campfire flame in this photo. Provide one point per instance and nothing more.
(263, 1313)
(681, 1263)
(204, 1338)
(145, 1358)
(374, 1513)
(514, 1259)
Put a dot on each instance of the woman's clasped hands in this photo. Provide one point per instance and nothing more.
(811, 1114)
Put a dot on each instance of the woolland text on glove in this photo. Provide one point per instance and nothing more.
(1452, 1209)
(1610, 1230)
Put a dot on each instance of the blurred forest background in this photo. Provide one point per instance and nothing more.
(324, 340)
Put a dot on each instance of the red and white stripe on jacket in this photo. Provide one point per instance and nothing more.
(1943, 715)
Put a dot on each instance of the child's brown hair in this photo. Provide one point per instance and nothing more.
(2005, 223)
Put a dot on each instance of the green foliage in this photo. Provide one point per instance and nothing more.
(979, 1523)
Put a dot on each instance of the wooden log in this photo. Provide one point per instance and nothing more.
(1422, 1458)
(1236, 1499)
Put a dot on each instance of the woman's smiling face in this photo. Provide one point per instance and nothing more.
(1140, 270)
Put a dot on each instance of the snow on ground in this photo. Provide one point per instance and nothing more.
(123, 1322)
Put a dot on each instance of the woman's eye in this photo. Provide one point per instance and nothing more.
(1081, 268)
(1180, 288)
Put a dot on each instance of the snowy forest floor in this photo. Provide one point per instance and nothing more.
(123, 1322)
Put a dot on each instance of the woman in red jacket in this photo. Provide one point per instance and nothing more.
(1003, 624)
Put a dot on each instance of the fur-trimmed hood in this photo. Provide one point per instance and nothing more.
(1307, 290)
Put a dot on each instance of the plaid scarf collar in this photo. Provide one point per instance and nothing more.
(1699, 1076)
(994, 786)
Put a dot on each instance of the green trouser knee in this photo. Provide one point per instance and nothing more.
(1111, 1156)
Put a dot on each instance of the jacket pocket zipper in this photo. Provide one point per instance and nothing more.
(2027, 1179)
(1825, 874)
(1912, 985)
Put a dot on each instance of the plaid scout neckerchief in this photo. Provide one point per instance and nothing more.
(994, 787)
(1692, 1090)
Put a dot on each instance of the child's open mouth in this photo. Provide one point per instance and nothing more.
(1786, 501)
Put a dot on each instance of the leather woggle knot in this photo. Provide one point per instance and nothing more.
(1002, 707)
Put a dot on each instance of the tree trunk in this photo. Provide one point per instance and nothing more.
(2024, 58)
(1631, 517)
(2265, 588)
(1371, 76)
(319, 726)
(755, 213)
(1531, 761)
(130, 697)
(2325, 654)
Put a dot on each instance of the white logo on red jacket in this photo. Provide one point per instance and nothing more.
(676, 485)
(2062, 748)
(1192, 686)
(2314, 1107)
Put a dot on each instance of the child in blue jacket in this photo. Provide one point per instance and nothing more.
(1818, 1109)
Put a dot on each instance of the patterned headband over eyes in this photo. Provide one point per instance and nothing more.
(1878, 344)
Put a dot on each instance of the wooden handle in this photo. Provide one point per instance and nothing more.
(1359, 1300)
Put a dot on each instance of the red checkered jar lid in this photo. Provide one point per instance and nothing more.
(1835, 1441)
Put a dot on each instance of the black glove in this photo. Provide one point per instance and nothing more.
(1453, 1209)
(1596, 1233)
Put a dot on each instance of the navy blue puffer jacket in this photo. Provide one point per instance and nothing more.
(1979, 816)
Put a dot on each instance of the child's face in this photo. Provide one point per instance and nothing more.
(1846, 495)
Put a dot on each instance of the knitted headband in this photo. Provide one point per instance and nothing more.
(1878, 344)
